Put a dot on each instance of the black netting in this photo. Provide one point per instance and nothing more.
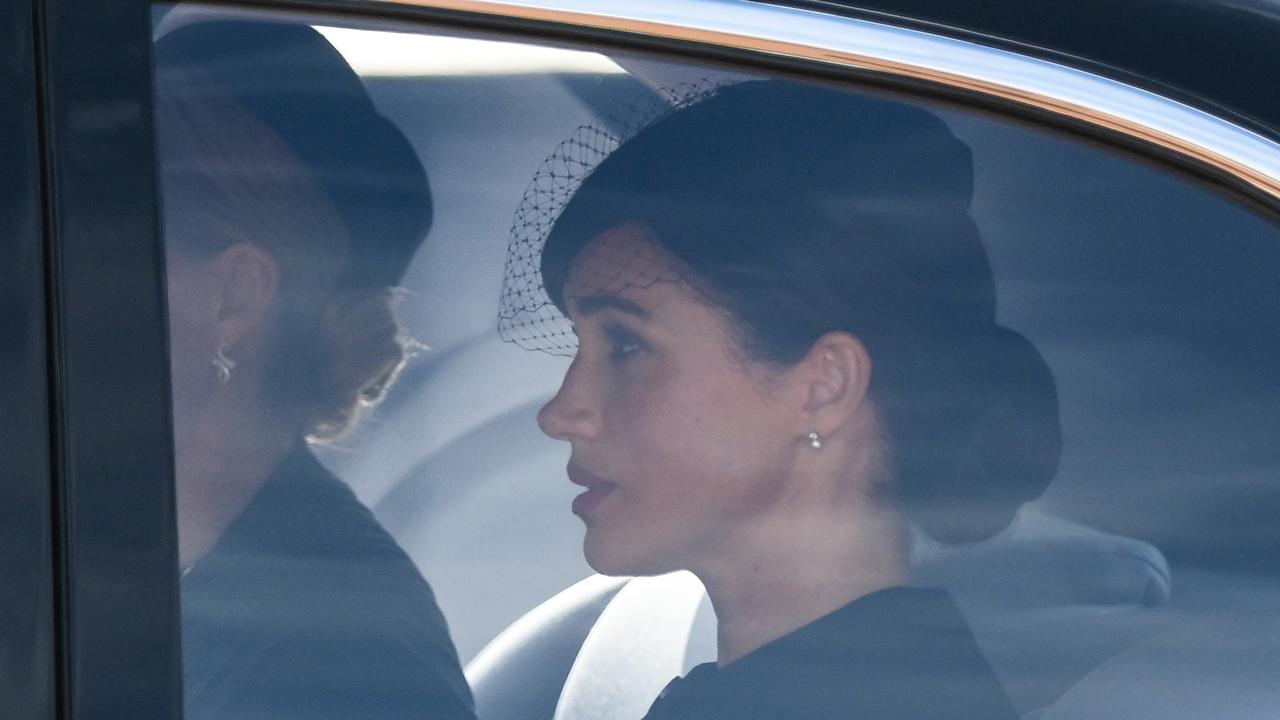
(526, 314)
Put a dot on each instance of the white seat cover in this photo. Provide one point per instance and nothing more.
(636, 647)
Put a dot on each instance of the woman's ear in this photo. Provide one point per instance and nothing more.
(837, 370)
(247, 278)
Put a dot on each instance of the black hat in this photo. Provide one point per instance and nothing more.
(295, 81)
(802, 210)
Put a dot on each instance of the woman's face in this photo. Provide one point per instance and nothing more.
(679, 442)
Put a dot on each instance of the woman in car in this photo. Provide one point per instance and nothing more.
(787, 362)
(291, 210)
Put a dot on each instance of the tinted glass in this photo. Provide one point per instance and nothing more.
(881, 371)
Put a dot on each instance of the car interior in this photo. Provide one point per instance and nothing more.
(1141, 584)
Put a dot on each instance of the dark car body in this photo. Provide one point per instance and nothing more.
(89, 609)
(1209, 53)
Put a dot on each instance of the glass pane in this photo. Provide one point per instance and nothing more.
(945, 413)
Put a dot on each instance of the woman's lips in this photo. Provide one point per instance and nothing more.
(597, 489)
(588, 500)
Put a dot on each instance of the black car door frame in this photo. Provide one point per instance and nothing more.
(114, 580)
(26, 565)
(90, 607)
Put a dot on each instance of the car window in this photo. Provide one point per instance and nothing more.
(415, 272)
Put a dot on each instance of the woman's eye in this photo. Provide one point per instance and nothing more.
(622, 342)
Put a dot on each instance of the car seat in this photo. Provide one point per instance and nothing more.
(1049, 601)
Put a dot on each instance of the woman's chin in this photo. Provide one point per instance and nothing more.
(620, 558)
(599, 558)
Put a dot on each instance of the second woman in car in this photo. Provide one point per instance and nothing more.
(291, 208)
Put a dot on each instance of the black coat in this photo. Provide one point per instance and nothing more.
(897, 654)
(306, 608)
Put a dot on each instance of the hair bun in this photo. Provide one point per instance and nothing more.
(1003, 449)
(367, 350)
(328, 374)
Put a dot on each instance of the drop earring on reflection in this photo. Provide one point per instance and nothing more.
(222, 364)
(815, 440)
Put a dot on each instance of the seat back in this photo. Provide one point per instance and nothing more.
(606, 647)
(1209, 666)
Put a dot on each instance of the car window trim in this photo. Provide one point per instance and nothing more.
(112, 463)
(1208, 144)
(28, 678)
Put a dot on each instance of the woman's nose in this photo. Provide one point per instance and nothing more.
(569, 416)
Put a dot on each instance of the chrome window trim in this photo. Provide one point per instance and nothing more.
(865, 45)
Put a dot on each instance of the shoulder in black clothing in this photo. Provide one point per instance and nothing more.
(897, 654)
(307, 608)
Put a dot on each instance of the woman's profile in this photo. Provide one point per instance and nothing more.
(291, 210)
(788, 357)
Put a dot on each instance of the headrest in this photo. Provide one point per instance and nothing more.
(1043, 561)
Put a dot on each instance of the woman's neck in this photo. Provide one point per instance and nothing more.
(799, 567)
(221, 462)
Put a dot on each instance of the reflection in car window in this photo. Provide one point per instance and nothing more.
(1146, 539)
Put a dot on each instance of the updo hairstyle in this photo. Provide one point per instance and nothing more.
(801, 211)
(255, 124)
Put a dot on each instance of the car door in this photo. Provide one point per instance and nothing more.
(114, 601)
(452, 464)
(27, 600)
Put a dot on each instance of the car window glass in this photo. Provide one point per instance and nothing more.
(1072, 345)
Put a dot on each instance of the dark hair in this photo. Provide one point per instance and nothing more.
(802, 210)
(267, 136)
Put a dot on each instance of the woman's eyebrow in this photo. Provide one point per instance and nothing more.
(592, 304)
